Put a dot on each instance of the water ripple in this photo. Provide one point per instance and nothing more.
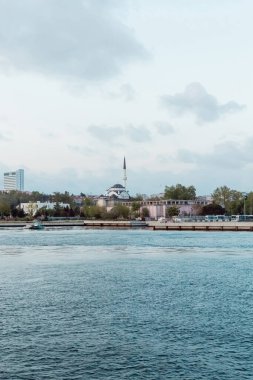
(125, 305)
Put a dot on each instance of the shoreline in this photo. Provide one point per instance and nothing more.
(153, 225)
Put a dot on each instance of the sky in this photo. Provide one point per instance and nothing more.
(167, 84)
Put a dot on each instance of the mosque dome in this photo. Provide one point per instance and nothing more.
(117, 191)
(118, 186)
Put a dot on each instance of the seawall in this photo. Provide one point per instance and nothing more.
(153, 225)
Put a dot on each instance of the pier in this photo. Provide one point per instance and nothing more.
(202, 226)
(151, 225)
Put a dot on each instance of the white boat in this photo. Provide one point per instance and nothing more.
(35, 225)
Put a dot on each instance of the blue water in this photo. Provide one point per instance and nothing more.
(125, 304)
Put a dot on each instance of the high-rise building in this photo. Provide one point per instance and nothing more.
(14, 180)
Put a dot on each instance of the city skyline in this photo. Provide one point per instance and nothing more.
(167, 85)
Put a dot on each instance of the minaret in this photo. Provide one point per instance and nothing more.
(124, 171)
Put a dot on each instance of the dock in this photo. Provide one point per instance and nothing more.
(115, 223)
(151, 225)
(201, 226)
(80, 223)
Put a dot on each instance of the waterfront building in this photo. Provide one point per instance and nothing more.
(157, 208)
(32, 207)
(14, 180)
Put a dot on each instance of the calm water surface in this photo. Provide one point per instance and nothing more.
(128, 304)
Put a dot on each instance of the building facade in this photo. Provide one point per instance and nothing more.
(14, 180)
(157, 209)
(32, 207)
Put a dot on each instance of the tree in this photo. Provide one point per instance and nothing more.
(4, 209)
(119, 212)
(57, 209)
(21, 213)
(96, 212)
(213, 209)
(62, 197)
(31, 209)
(135, 209)
(93, 212)
(231, 200)
(180, 192)
(172, 211)
(37, 196)
(249, 203)
(236, 202)
(87, 201)
(221, 196)
(145, 212)
(137, 197)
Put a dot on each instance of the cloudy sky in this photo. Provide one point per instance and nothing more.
(168, 84)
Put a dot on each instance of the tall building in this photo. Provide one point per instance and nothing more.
(14, 180)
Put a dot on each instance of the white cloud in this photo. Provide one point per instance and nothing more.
(197, 101)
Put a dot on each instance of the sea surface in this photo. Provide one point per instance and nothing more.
(125, 304)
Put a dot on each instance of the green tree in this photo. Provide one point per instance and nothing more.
(5, 209)
(172, 211)
(222, 196)
(93, 212)
(137, 197)
(249, 203)
(57, 210)
(236, 202)
(212, 209)
(96, 212)
(145, 212)
(135, 209)
(119, 212)
(62, 197)
(87, 201)
(180, 192)
(231, 200)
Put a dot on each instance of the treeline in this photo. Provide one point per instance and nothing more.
(233, 201)
(79, 206)
(224, 201)
(10, 202)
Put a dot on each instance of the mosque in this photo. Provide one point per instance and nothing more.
(116, 192)
(157, 208)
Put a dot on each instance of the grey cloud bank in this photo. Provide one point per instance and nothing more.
(66, 38)
(228, 156)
